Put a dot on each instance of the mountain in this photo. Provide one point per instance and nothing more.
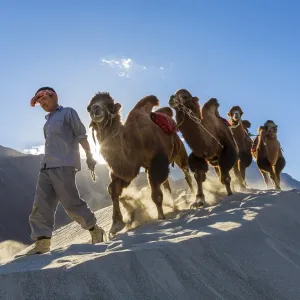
(18, 177)
(4, 152)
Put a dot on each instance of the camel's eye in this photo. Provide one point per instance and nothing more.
(110, 107)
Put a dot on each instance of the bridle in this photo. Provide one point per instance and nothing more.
(106, 125)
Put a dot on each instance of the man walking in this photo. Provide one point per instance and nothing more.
(63, 133)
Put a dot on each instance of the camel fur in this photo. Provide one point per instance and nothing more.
(268, 154)
(244, 144)
(181, 159)
(209, 138)
(128, 146)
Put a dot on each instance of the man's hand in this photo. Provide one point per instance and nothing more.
(91, 163)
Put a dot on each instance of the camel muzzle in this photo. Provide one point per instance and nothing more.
(173, 102)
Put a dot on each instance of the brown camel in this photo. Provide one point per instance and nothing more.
(268, 154)
(244, 144)
(181, 159)
(209, 138)
(127, 147)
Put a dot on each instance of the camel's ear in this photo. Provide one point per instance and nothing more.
(229, 114)
(89, 108)
(195, 99)
(118, 107)
(241, 111)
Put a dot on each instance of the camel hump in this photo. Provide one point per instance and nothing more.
(211, 107)
(246, 124)
(166, 110)
(146, 104)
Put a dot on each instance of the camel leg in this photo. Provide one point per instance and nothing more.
(217, 171)
(158, 174)
(280, 164)
(167, 187)
(227, 161)
(243, 174)
(115, 189)
(238, 170)
(199, 167)
(188, 178)
(181, 161)
(273, 179)
(277, 180)
(265, 177)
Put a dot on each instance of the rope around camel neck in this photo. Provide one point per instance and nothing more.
(190, 113)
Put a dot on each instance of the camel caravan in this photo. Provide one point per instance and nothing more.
(149, 139)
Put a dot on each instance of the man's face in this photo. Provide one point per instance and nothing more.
(47, 103)
(47, 100)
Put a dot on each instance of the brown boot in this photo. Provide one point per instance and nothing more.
(41, 246)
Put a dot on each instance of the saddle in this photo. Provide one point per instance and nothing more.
(166, 123)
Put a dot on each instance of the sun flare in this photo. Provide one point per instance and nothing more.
(95, 149)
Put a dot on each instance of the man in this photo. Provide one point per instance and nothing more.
(63, 133)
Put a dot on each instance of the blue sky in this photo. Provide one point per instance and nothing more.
(242, 52)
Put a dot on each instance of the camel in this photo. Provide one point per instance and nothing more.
(268, 154)
(128, 146)
(244, 144)
(209, 138)
(181, 159)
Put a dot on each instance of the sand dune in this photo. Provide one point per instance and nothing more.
(247, 247)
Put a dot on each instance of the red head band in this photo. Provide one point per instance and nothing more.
(39, 95)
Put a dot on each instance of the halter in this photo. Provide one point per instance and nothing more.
(236, 125)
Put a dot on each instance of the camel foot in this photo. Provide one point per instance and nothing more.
(199, 202)
(116, 227)
(176, 208)
(161, 216)
(243, 189)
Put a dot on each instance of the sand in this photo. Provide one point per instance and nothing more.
(246, 247)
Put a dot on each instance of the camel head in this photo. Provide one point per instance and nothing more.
(102, 108)
(235, 114)
(260, 130)
(270, 128)
(246, 124)
(183, 98)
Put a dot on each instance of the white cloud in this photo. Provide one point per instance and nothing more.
(127, 67)
(35, 150)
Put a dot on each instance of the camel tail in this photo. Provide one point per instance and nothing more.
(246, 124)
(159, 168)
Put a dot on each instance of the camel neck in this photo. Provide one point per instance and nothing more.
(108, 131)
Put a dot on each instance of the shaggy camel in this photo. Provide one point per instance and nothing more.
(209, 138)
(127, 147)
(268, 154)
(181, 159)
(244, 144)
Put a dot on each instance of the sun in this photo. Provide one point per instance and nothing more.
(95, 149)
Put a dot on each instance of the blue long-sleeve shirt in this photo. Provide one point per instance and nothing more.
(63, 130)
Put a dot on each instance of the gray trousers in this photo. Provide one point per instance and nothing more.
(53, 186)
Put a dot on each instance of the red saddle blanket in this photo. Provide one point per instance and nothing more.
(166, 123)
